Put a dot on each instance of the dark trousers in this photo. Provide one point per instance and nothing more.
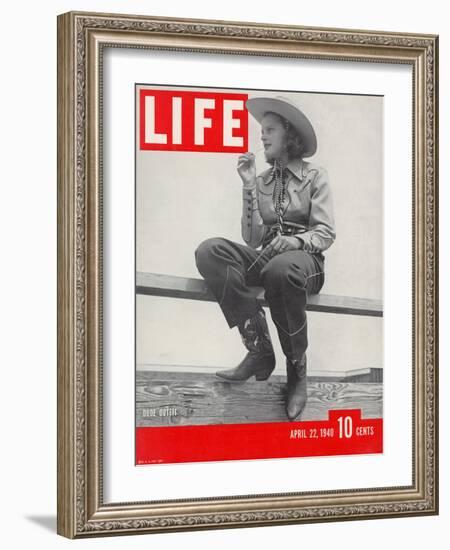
(229, 270)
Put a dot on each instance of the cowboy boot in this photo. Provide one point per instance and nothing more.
(260, 359)
(296, 387)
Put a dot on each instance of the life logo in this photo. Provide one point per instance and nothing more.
(175, 120)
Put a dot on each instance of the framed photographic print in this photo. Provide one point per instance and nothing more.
(247, 274)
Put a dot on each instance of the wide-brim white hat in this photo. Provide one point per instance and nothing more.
(283, 106)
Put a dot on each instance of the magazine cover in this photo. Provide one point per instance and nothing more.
(259, 274)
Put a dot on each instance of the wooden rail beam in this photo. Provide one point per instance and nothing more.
(155, 284)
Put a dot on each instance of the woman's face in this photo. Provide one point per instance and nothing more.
(274, 137)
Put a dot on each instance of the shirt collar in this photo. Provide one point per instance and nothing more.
(296, 166)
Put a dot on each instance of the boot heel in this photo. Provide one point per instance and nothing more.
(261, 376)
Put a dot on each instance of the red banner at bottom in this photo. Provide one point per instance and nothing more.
(344, 433)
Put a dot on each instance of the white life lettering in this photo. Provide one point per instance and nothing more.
(202, 122)
(230, 105)
(150, 135)
(176, 120)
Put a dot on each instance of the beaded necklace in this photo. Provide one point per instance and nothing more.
(279, 193)
(278, 196)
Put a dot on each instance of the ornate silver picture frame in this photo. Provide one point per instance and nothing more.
(87, 506)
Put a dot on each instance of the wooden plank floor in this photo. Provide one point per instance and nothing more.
(170, 399)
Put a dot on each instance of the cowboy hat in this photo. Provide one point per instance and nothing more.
(283, 106)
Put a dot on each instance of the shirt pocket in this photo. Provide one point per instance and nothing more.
(300, 203)
(265, 202)
(266, 189)
(301, 195)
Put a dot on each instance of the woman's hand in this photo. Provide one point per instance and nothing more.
(247, 169)
(282, 243)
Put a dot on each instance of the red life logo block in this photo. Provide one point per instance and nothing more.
(175, 120)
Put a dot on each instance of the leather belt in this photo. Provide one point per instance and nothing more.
(287, 228)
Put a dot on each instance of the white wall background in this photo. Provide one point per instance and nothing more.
(28, 222)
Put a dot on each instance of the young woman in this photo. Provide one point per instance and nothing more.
(287, 211)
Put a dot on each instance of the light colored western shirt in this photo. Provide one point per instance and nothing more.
(308, 202)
